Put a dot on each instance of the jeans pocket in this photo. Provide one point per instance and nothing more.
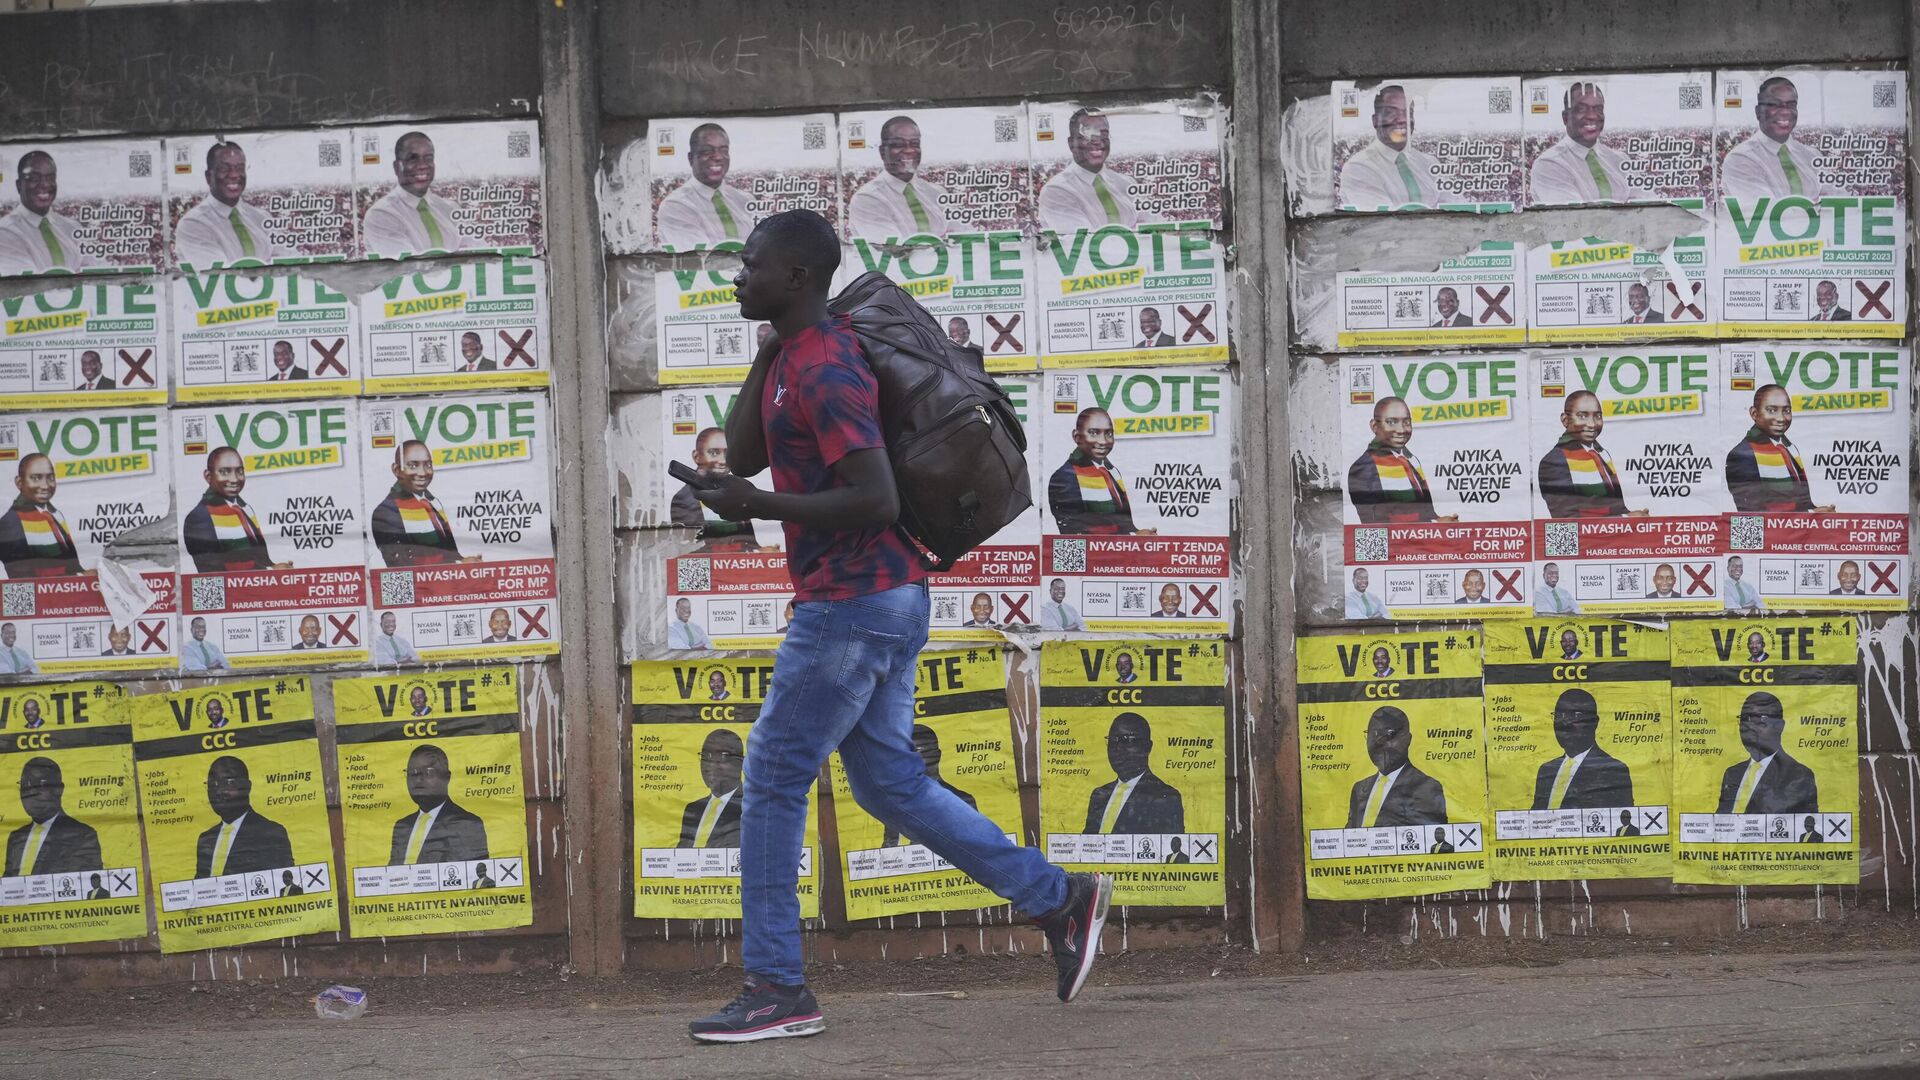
(868, 661)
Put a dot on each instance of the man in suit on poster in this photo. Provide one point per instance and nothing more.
(713, 820)
(1397, 793)
(1135, 800)
(441, 830)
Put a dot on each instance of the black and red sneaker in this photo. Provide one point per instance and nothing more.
(1073, 930)
(763, 1010)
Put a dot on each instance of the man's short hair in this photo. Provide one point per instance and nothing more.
(1768, 389)
(217, 451)
(892, 122)
(402, 141)
(400, 452)
(1381, 405)
(1566, 100)
(1775, 81)
(693, 137)
(21, 168)
(1073, 122)
(1384, 91)
(223, 144)
(806, 238)
(27, 461)
(700, 440)
(1080, 421)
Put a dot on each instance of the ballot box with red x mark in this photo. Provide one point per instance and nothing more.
(460, 327)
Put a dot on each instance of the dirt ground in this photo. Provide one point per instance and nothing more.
(559, 988)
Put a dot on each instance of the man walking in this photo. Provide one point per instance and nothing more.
(844, 676)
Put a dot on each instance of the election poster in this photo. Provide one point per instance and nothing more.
(81, 206)
(1427, 144)
(1579, 749)
(234, 808)
(1766, 781)
(73, 864)
(272, 536)
(1126, 165)
(701, 335)
(1112, 295)
(433, 802)
(714, 178)
(964, 736)
(922, 176)
(1475, 299)
(690, 735)
(82, 480)
(1134, 538)
(1600, 290)
(1628, 493)
(1811, 228)
(261, 199)
(487, 198)
(237, 337)
(1437, 515)
(1619, 138)
(1133, 777)
(1817, 466)
(460, 530)
(84, 346)
(1393, 783)
(458, 327)
(977, 286)
(993, 587)
(694, 430)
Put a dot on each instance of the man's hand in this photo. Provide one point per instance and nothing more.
(731, 497)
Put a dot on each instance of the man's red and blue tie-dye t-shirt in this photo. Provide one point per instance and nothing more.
(820, 404)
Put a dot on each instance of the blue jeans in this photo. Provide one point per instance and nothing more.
(843, 679)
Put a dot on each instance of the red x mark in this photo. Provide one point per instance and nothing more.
(1697, 579)
(1196, 324)
(1506, 585)
(1202, 599)
(1016, 606)
(517, 349)
(1685, 303)
(531, 621)
(1883, 575)
(1872, 302)
(1494, 304)
(136, 367)
(343, 629)
(1003, 335)
(154, 634)
(329, 358)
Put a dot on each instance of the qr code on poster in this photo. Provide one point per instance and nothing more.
(813, 135)
(329, 153)
(1748, 534)
(1563, 539)
(1069, 556)
(1006, 129)
(519, 144)
(209, 593)
(1691, 95)
(16, 599)
(1500, 100)
(1192, 123)
(693, 575)
(140, 164)
(1884, 96)
(1369, 545)
(396, 590)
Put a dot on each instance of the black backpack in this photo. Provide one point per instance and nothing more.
(958, 451)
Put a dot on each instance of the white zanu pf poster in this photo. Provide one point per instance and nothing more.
(1116, 296)
(701, 335)
(1438, 521)
(1426, 144)
(1604, 139)
(272, 568)
(433, 188)
(80, 481)
(1137, 467)
(240, 337)
(713, 179)
(458, 327)
(1126, 165)
(977, 286)
(459, 493)
(1628, 491)
(81, 206)
(1593, 289)
(1812, 222)
(261, 199)
(84, 345)
(1817, 441)
(921, 176)
(1475, 299)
